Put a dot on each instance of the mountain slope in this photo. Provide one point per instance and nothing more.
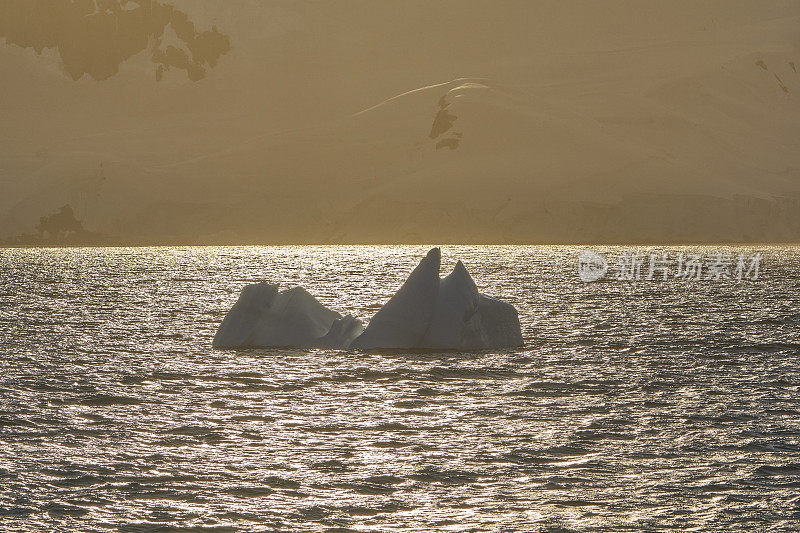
(625, 122)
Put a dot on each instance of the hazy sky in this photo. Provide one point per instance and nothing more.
(261, 121)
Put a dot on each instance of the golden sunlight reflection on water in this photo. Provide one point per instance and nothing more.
(649, 405)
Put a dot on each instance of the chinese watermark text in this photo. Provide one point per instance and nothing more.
(632, 266)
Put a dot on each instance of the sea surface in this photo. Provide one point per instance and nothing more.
(634, 406)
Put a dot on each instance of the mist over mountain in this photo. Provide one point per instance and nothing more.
(244, 122)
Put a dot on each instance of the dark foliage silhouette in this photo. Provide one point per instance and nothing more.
(96, 37)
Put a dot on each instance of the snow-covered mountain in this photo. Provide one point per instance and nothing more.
(485, 122)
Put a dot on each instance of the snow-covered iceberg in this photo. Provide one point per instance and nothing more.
(426, 313)
(264, 317)
(448, 314)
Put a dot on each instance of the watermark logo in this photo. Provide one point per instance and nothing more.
(593, 266)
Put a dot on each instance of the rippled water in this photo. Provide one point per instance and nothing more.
(645, 406)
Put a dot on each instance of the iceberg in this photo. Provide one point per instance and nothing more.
(448, 314)
(426, 313)
(264, 317)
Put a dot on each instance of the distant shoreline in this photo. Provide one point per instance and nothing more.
(368, 244)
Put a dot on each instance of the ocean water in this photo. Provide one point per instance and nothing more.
(645, 406)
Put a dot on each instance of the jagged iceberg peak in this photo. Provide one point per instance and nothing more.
(264, 317)
(448, 314)
(426, 313)
(404, 319)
